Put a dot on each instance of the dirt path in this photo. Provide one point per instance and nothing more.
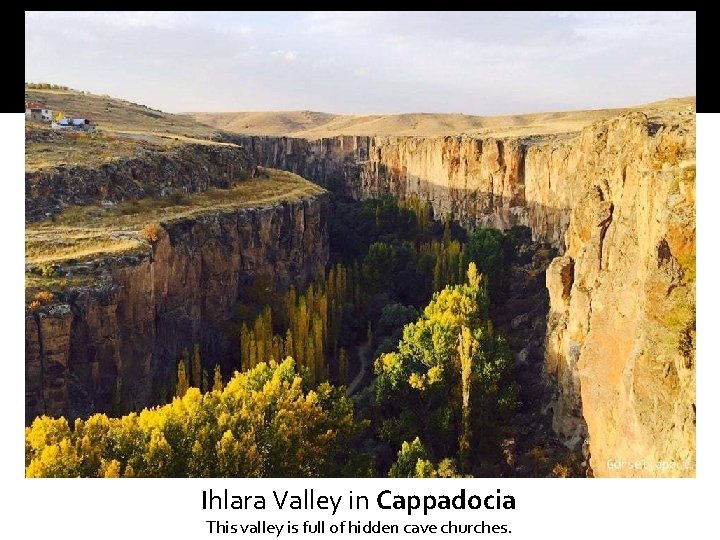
(364, 356)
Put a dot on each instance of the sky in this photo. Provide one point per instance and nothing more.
(367, 62)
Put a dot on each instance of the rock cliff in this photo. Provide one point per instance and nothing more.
(617, 200)
(621, 329)
(478, 182)
(190, 168)
(114, 346)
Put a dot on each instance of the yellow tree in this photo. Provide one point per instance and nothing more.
(196, 371)
(182, 379)
(467, 348)
(303, 323)
(217, 379)
(288, 344)
(318, 347)
(244, 347)
(254, 360)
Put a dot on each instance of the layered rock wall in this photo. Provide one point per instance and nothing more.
(115, 346)
(189, 168)
(621, 329)
(478, 182)
(618, 200)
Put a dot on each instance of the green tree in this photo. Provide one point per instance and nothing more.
(378, 267)
(467, 351)
(449, 382)
(413, 462)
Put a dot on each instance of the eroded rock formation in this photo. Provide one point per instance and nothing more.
(618, 201)
(115, 345)
(190, 168)
(621, 329)
(478, 182)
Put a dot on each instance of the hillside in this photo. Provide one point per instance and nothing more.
(124, 129)
(90, 232)
(309, 124)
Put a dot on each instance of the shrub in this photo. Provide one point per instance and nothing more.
(41, 298)
(150, 233)
(46, 270)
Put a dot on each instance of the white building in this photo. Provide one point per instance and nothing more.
(37, 111)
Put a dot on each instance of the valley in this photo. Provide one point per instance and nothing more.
(522, 290)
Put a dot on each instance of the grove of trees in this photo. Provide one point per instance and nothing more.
(414, 291)
(266, 422)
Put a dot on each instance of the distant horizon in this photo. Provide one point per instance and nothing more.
(521, 113)
(472, 63)
(401, 113)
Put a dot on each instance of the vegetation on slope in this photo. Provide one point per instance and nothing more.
(86, 232)
(124, 129)
(439, 403)
(266, 422)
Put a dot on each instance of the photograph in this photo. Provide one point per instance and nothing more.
(359, 245)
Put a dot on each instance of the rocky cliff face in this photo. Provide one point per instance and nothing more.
(621, 330)
(115, 346)
(190, 168)
(618, 200)
(478, 182)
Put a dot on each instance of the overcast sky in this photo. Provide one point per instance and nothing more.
(370, 62)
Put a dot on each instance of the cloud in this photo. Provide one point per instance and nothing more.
(474, 62)
(122, 19)
(288, 56)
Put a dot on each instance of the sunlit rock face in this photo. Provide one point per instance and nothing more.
(115, 346)
(618, 201)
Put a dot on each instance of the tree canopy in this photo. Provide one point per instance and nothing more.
(449, 361)
(264, 423)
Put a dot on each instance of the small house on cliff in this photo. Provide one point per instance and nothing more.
(37, 111)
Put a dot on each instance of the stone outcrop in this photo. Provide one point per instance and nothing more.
(189, 168)
(115, 346)
(477, 182)
(621, 329)
(617, 200)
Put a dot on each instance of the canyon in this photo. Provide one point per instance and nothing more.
(115, 344)
(616, 200)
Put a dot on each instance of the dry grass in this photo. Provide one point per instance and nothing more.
(86, 232)
(125, 129)
(118, 115)
(310, 124)
(89, 149)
